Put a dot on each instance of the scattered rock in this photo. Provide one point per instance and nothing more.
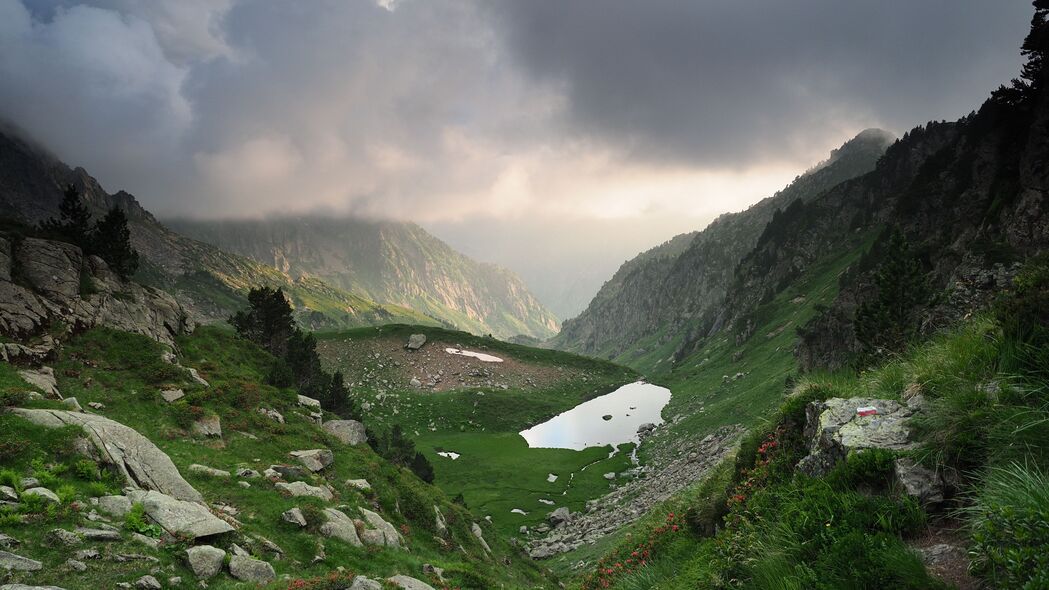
(209, 471)
(98, 534)
(360, 484)
(339, 526)
(408, 583)
(43, 493)
(272, 414)
(8, 542)
(288, 472)
(392, 535)
(415, 382)
(477, 532)
(117, 506)
(96, 406)
(144, 540)
(43, 379)
(314, 459)
(610, 475)
(416, 341)
(301, 488)
(205, 560)
(606, 417)
(63, 537)
(251, 570)
(147, 583)
(194, 375)
(920, 483)
(10, 561)
(8, 494)
(294, 516)
(209, 426)
(350, 432)
(77, 566)
(440, 524)
(87, 554)
(309, 402)
(559, 516)
(247, 473)
(72, 404)
(171, 395)
(362, 583)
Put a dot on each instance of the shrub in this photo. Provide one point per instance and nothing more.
(313, 512)
(87, 469)
(135, 521)
(1009, 520)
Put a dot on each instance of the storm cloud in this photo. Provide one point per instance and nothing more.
(463, 113)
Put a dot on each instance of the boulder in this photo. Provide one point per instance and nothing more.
(10, 561)
(205, 560)
(72, 404)
(43, 493)
(179, 517)
(208, 426)
(77, 566)
(372, 537)
(362, 583)
(209, 471)
(415, 382)
(559, 516)
(294, 516)
(148, 583)
(42, 379)
(63, 537)
(309, 402)
(8, 542)
(247, 569)
(440, 524)
(339, 526)
(272, 415)
(416, 341)
(194, 375)
(919, 482)
(98, 534)
(8, 494)
(247, 473)
(314, 459)
(171, 395)
(117, 506)
(392, 535)
(610, 475)
(301, 488)
(835, 427)
(359, 484)
(350, 432)
(408, 583)
(139, 460)
(476, 530)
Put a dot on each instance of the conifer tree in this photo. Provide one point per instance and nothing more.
(111, 240)
(889, 321)
(74, 219)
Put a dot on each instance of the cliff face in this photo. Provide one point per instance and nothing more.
(388, 262)
(676, 290)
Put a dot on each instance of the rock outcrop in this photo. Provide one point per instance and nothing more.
(837, 426)
(139, 460)
(350, 432)
(57, 286)
(179, 517)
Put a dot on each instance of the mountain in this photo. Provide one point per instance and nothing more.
(211, 282)
(657, 296)
(386, 261)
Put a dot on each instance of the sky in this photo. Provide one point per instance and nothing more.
(555, 137)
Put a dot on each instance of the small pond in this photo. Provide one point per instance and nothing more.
(630, 406)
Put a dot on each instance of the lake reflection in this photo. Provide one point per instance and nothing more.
(583, 426)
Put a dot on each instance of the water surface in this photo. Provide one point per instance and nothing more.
(631, 406)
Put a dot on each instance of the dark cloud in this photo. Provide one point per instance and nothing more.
(728, 81)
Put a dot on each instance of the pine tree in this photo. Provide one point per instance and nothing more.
(111, 240)
(267, 322)
(889, 321)
(74, 219)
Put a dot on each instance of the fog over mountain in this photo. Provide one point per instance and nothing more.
(504, 115)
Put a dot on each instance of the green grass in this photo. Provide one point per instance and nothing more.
(125, 373)
(497, 472)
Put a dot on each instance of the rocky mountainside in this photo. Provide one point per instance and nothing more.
(389, 262)
(211, 282)
(659, 295)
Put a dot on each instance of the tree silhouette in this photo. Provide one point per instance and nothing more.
(111, 240)
(74, 220)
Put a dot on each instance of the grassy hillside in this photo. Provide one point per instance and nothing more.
(480, 417)
(760, 524)
(125, 373)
